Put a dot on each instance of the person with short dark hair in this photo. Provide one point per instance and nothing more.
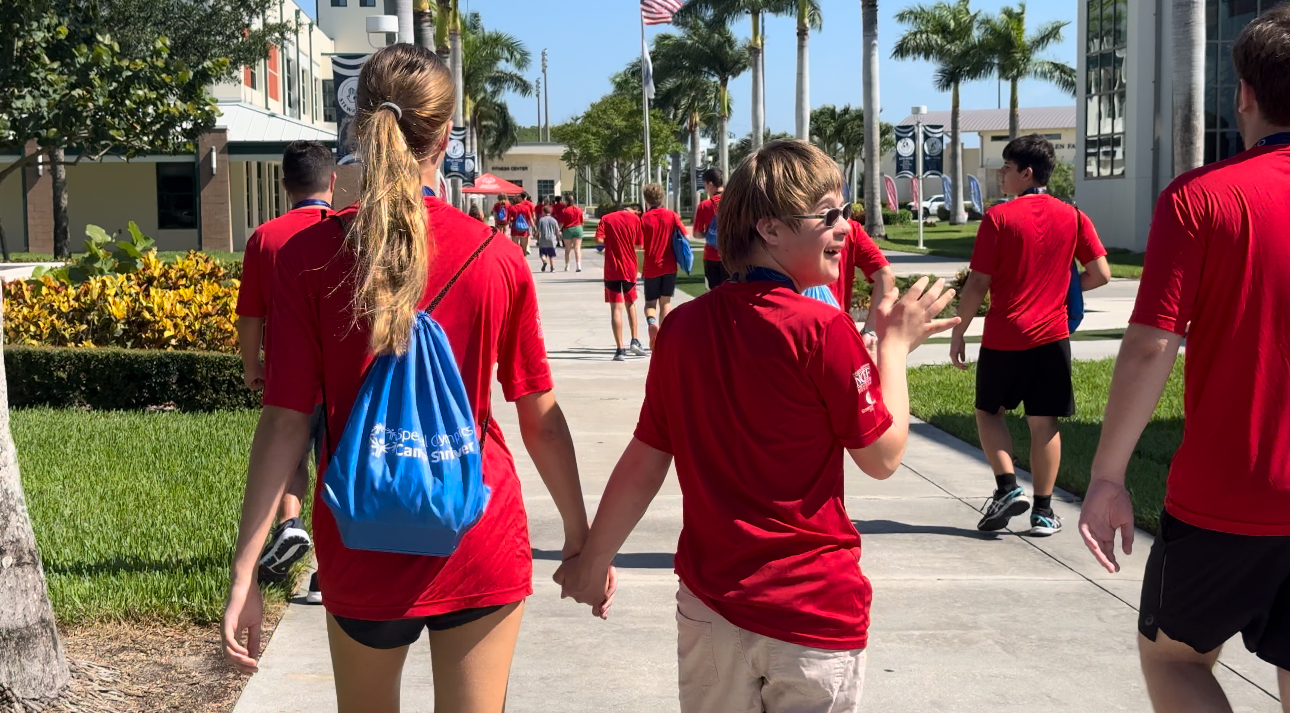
(1023, 256)
(705, 224)
(548, 233)
(1217, 258)
(476, 213)
(309, 178)
(660, 268)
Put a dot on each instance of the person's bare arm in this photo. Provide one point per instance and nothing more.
(1096, 274)
(546, 436)
(250, 338)
(969, 303)
(1142, 369)
(884, 281)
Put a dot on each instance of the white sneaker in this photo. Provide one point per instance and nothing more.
(314, 595)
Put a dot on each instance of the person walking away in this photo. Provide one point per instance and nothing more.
(705, 224)
(520, 216)
(772, 610)
(476, 213)
(557, 212)
(309, 179)
(620, 232)
(659, 269)
(1023, 256)
(863, 254)
(571, 232)
(1219, 251)
(502, 214)
(548, 232)
(342, 300)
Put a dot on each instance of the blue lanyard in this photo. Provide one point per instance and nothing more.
(427, 191)
(1281, 139)
(311, 203)
(1034, 191)
(765, 274)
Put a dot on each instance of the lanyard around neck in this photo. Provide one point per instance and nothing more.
(1281, 139)
(312, 203)
(765, 274)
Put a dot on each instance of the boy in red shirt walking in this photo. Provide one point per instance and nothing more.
(1023, 255)
(773, 611)
(308, 177)
(705, 224)
(620, 233)
(863, 254)
(659, 271)
(1217, 261)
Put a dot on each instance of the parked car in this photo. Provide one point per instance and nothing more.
(930, 205)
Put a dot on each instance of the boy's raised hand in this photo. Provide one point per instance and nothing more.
(912, 318)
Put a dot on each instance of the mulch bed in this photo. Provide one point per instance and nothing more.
(146, 668)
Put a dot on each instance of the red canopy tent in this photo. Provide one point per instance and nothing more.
(488, 183)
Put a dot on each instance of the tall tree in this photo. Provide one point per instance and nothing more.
(1017, 57)
(1189, 84)
(808, 18)
(744, 147)
(948, 34)
(493, 64)
(608, 138)
(726, 11)
(873, 159)
(423, 25)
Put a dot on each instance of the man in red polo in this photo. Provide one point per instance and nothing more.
(861, 253)
(658, 224)
(1217, 259)
(705, 224)
(620, 233)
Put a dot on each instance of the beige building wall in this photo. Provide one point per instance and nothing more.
(12, 217)
(526, 164)
(110, 195)
(347, 26)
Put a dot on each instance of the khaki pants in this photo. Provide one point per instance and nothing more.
(730, 670)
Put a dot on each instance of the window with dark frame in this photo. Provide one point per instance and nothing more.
(545, 188)
(339, 3)
(176, 195)
(1224, 20)
(329, 99)
(1106, 51)
(251, 213)
(367, 3)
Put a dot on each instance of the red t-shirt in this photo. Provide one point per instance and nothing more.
(861, 253)
(501, 213)
(704, 214)
(658, 225)
(570, 217)
(1027, 247)
(782, 384)
(255, 296)
(523, 208)
(621, 232)
(491, 319)
(557, 210)
(1217, 261)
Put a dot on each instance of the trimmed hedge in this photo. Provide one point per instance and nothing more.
(126, 379)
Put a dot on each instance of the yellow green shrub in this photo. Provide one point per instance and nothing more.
(188, 304)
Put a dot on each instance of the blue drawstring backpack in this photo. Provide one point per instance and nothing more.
(710, 234)
(681, 248)
(521, 224)
(407, 475)
(1075, 293)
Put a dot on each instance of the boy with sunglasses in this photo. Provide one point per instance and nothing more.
(1023, 255)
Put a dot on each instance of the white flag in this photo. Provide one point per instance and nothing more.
(647, 71)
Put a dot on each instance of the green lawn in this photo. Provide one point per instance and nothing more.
(135, 513)
(164, 255)
(956, 241)
(944, 397)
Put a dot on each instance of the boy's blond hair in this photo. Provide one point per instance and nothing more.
(784, 178)
(653, 194)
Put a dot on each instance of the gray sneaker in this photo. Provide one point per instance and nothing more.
(1043, 524)
(637, 349)
(1002, 507)
(620, 355)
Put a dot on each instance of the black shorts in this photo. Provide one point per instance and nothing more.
(405, 632)
(715, 272)
(661, 286)
(1216, 584)
(1041, 377)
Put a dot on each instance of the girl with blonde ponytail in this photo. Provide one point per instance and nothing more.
(350, 290)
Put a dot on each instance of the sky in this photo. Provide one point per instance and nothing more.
(589, 40)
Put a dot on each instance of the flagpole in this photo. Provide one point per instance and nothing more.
(644, 100)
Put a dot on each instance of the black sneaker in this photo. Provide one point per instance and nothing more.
(637, 349)
(1043, 524)
(1001, 507)
(288, 543)
(314, 595)
(620, 355)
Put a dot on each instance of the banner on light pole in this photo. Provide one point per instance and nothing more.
(344, 71)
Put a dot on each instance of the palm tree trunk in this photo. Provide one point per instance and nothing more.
(723, 128)
(803, 73)
(423, 24)
(62, 231)
(958, 216)
(758, 116)
(1189, 84)
(872, 138)
(403, 8)
(443, 11)
(675, 180)
(694, 164)
(32, 664)
(1014, 111)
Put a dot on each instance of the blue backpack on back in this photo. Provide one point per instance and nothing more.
(710, 234)
(407, 476)
(521, 224)
(684, 253)
(1075, 293)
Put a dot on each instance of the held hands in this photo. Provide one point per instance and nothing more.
(585, 583)
(1106, 508)
(910, 319)
(243, 612)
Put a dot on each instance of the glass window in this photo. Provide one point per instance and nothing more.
(277, 190)
(367, 3)
(338, 3)
(545, 188)
(329, 99)
(176, 196)
(252, 215)
(1224, 20)
(1105, 87)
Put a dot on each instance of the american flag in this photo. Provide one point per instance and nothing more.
(659, 12)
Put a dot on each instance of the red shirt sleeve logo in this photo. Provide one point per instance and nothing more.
(864, 378)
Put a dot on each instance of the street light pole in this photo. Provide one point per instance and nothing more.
(546, 82)
(919, 112)
(539, 103)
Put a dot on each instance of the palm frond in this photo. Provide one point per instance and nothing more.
(1059, 74)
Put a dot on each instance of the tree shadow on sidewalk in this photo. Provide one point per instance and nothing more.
(891, 527)
(623, 560)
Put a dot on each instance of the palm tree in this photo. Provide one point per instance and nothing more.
(808, 18)
(723, 12)
(423, 23)
(948, 35)
(692, 98)
(873, 159)
(492, 64)
(1017, 57)
(1189, 84)
(744, 147)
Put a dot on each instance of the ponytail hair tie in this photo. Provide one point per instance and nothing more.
(398, 113)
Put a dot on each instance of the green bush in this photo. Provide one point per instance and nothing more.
(943, 212)
(901, 217)
(124, 379)
(863, 292)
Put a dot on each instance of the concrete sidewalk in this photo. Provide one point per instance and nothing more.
(961, 621)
